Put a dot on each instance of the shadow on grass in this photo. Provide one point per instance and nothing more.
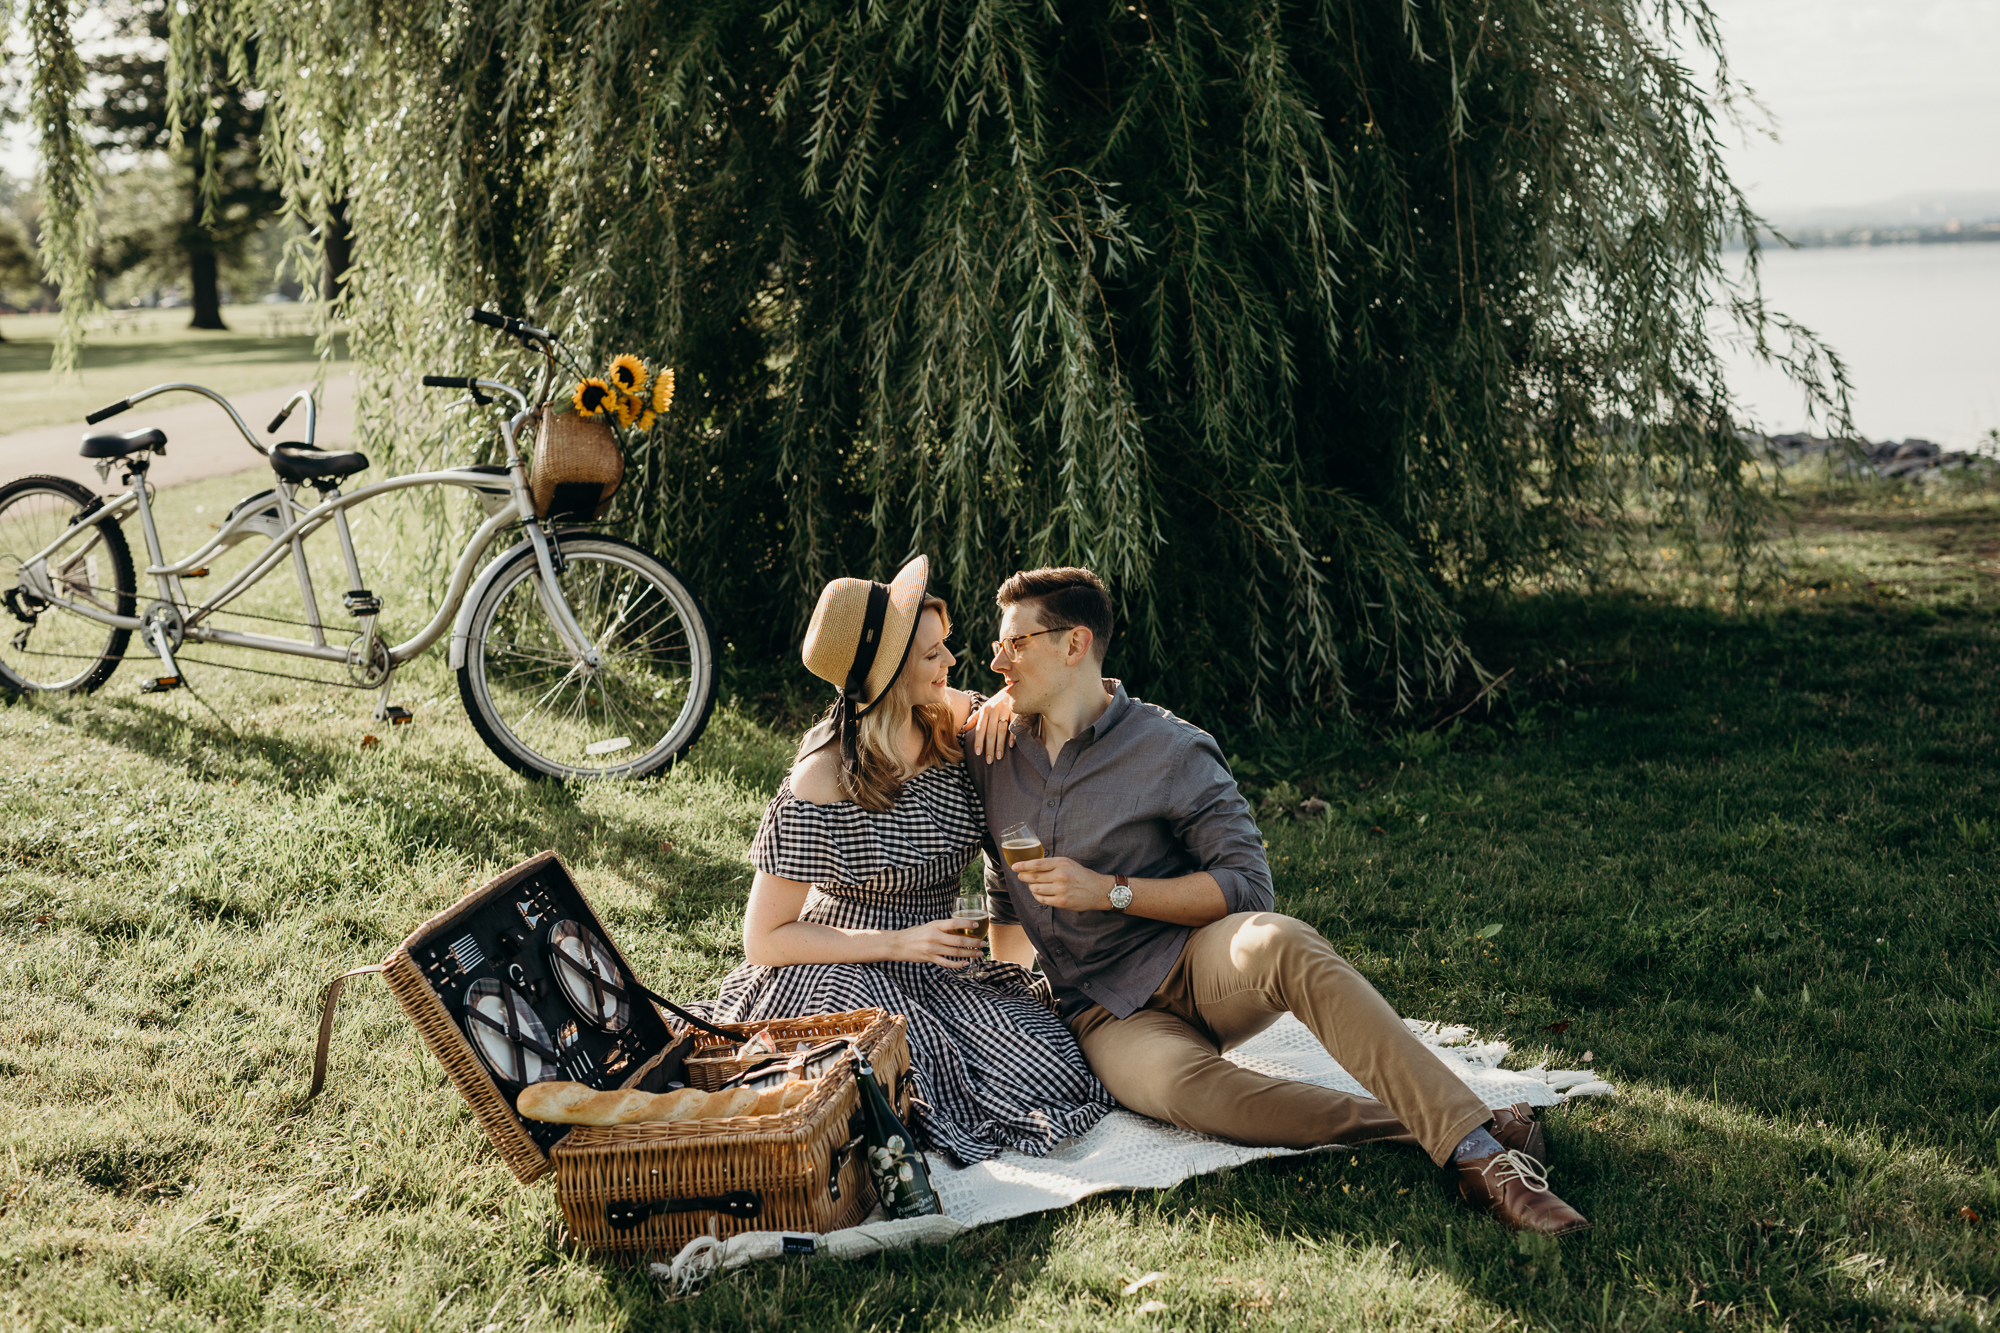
(234, 346)
(1771, 1227)
(1746, 859)
(515, 813)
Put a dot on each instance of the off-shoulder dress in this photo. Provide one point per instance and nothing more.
(995, 1069)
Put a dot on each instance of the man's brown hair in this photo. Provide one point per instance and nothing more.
(1063, 597)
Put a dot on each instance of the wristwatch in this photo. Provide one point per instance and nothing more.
(1121, 893)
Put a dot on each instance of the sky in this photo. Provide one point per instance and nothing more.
(1873, 100)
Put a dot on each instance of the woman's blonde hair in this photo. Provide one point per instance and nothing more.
(880, 770)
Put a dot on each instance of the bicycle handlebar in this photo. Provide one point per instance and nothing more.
(111, 411)
(508, 324)
(478, 388)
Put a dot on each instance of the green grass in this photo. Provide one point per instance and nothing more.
(1745, 855)
(265, 346)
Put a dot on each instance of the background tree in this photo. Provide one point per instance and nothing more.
(1294, 318)
(20, 268)
(215, 156)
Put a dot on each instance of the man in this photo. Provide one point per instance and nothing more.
(1154, 926)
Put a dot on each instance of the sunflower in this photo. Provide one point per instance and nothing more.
(628, 372)
(626, 407)
(592, 397)
(663, 391)
(647, 418)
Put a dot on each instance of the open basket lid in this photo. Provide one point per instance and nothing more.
(517, 983)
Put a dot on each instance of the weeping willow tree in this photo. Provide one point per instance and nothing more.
(1291, 318)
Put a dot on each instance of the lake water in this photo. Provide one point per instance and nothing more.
(1919, 328)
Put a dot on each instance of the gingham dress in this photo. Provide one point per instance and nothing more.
(994, 1067)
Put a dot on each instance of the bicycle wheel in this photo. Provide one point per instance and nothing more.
(546, 714)
(47, 649)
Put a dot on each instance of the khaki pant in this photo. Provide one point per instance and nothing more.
(1233, 980)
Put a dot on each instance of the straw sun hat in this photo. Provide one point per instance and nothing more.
(860, 636)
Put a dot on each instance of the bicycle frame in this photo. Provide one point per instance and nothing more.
(507, 500)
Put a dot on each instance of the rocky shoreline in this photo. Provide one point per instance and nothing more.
(1912, 460)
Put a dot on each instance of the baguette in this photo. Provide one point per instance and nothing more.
(576, 1104)
(681, 1104)
(561, 1103)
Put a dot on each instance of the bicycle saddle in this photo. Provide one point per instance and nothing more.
(301, 462)
(110, 444)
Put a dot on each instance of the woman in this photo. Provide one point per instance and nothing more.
(858, 860)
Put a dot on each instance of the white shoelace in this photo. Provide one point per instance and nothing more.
(1517, 1165)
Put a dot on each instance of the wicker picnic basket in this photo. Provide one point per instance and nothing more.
(576, 466)
(652, 1188)
(421, 976)
(640, 1189)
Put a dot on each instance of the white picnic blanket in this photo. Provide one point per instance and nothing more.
(1127, 1151)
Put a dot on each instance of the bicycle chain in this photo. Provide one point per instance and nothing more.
(199, 661)
(219, 666)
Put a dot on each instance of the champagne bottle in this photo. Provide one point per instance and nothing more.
(902, 1177)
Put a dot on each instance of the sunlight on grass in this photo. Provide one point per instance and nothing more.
(265, 346)
(1740, 858)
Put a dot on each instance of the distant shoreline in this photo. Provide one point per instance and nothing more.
(1835, 238)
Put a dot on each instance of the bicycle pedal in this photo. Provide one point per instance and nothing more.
(397, 716)
(160, 685)
(361, 602)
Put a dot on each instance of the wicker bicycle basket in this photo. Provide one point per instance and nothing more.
(576, 466)
(633, 1190)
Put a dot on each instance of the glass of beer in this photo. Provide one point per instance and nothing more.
(1020, 843)
(972, 909)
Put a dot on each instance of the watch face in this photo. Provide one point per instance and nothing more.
(1121, 896)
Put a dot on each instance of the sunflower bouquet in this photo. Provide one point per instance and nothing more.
(626, 393)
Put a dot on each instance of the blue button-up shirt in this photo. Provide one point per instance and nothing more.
(1139, 792)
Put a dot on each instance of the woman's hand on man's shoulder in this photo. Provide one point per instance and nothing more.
(816, 778)
(992, 725)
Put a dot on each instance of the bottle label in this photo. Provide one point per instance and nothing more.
(901, 1181)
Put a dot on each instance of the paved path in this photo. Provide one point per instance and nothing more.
(201, 441)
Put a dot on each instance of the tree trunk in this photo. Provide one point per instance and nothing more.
(202, 265)
(339, 242)
(207, 301)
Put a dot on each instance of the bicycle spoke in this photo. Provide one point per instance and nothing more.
(87, 566)
(630, 705)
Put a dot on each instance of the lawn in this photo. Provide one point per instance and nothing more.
(1741, 862)
(265, 346)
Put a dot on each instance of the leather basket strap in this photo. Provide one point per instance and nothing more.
(326, 1025)
(685, 1016)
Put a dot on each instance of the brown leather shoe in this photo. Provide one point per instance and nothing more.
(1516, 1128)
(1513, 1187)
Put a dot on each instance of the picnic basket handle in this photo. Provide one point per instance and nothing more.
(326, 1025)
(627, 1215)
